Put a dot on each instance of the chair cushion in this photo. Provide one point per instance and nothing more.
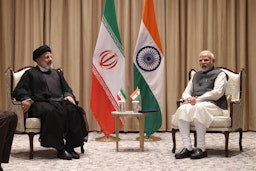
(233, 85)
(218, 122)
(17, 77)
(33, 123)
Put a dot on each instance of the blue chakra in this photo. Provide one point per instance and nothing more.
(148, 58)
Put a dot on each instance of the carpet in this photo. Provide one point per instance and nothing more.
(157, 155)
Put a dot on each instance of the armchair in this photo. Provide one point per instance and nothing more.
(232, 119)
(25, 125)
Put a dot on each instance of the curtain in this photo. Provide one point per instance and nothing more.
(70, 28)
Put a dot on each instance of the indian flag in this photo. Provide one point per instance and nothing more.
(148, 62)
(108, 70)
(121, 96)
(136, 94)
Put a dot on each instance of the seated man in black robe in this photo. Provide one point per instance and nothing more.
(45, 94)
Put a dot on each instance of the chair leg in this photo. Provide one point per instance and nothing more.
(31, 151)
(240, 139)
(226, 133)
(174, 140)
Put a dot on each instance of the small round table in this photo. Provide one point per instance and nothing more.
(141, 118)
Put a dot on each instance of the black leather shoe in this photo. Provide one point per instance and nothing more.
(63, 154)
(198, 154)
(183, 154)
(74, 154)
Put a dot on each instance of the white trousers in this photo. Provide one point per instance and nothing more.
(201, 114)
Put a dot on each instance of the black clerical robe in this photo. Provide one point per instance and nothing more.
(60, 119)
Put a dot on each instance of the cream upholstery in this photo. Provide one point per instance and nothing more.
(30, 126)
(232, 119)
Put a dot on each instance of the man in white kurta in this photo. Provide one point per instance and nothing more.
(203, 98)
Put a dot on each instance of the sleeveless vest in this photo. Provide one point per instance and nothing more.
(204, 82)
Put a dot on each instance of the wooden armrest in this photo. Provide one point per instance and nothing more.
(15, 102)
(178, 102)
(228, 97)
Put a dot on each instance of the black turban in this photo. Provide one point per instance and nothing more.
(39, 51)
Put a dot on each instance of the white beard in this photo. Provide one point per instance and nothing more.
(45, 67)
(206, 69)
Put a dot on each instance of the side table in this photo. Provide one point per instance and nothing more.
(140, 116)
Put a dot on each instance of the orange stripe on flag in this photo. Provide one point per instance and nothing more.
(149, 19)
(135, 92)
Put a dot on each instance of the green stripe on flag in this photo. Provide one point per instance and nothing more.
(123, 94)
(154, 120)
(110, 22)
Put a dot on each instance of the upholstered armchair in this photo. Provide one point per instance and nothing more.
(26, 125)
(232, 119)
(30, 126)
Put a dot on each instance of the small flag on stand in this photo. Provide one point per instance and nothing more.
(121, 95)
(136, 94)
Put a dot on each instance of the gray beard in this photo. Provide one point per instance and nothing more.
(207, 69)
(44, 67)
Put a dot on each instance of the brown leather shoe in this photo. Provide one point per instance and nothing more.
(184, 153)
(198, 154)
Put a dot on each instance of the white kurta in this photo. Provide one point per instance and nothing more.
(203, 110)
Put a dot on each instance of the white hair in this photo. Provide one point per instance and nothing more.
(207, 51)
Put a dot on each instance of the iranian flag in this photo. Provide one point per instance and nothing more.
(108, 71)
(148, 62)
(121, 96)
